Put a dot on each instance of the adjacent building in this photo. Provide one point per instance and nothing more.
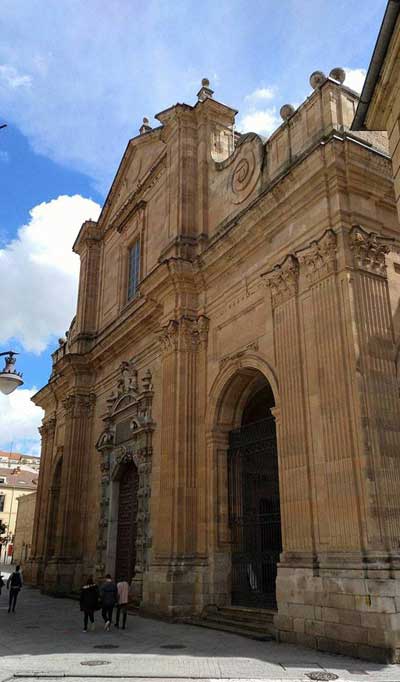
(13, 459)
(222, 420)
(14, 483)
(379, 106)
(24, 528)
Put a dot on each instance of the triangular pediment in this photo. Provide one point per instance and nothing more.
(140, 160)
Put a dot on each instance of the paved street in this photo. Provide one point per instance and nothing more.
(44, 639)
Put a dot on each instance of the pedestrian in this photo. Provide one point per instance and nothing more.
(14, 584)
(109, 597)
(122, 606)
(89, 602)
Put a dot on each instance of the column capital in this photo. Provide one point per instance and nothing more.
(79, 404)
(369, 250)
(185, 333)
(283, 280)
(320, 257)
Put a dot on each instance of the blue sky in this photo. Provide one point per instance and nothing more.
(76, 80)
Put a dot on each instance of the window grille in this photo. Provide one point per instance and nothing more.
(2, 501)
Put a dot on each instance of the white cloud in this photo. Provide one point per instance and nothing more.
(262, 121)
(19, 422)
(40, 272)
(11, 78)
(355, 78)
(4, 157)
(255, 115)
(261, 94)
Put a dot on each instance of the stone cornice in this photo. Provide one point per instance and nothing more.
(134, 201)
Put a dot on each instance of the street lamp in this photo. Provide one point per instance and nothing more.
(10, 379)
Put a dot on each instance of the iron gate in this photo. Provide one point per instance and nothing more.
(254, 513)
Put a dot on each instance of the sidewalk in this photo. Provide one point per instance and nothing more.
(44, 638)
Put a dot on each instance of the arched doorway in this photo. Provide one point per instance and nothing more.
(127, 522)
(254, 508)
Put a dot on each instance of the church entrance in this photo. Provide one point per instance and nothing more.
(254, 509)
(127, 522)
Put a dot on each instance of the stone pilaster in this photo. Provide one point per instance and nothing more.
(293, 451)
(72, 503)
(346, 600)
(378, 391)
(176, 545)
(47, 432)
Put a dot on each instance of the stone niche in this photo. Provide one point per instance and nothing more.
(126, 439)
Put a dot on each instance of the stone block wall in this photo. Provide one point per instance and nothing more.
(349, 611)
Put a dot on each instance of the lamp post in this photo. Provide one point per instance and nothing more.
(10, 379)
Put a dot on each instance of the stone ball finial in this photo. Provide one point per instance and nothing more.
(316, 79)
(338, 74)
(286, 111)
(205, 83)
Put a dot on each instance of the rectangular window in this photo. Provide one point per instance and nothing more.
(134, 269)
(2, 501)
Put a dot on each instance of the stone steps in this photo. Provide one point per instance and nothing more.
(253, 623)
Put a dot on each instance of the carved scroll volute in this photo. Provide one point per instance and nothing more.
(369, 251)
(320, 258)
(283, 280)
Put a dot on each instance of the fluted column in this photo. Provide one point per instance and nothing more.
(377, 386)
(183, 344)
(78, 426)
(180, 533)
(47, 431)
(293, 451)
(328, 371)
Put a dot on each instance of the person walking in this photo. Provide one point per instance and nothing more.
(122, 606)
(109, 597)
(14, 584)
(89, 602)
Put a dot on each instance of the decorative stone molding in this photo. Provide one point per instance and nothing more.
(127, 438)
(320, 258)
(185, 334)
(283, 280)
(48, 428)
(79, 405)
(369, 250)
(238, 355)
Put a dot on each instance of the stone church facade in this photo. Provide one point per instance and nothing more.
(222, 421)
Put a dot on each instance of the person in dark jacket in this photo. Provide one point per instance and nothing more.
(14, 584)
(89, 602)
(109, 597)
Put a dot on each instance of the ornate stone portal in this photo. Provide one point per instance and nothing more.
(126, 439)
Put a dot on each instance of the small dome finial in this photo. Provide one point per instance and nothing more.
(286, 111)
(205, 91)
(338, 74)
(316, 79)
(145, 127)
